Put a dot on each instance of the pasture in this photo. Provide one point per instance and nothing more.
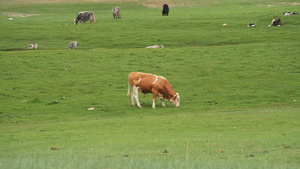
(239, 86)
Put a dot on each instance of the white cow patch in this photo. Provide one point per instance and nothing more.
(135, 96)
(155, 80)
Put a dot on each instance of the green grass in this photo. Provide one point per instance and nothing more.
(239, 86)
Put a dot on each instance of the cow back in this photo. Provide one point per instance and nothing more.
(146, 82)
(85, 16)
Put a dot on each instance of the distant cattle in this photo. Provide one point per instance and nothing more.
(33, 46)
(116, 12)
(85, 16)
(155, 46)
(289, 13)
(150, 83)
(276, 22)
(251, 24)
(73, 44)
(165, 11)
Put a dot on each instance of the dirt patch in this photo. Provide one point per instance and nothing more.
(294, 3)
(148, 3)
(78, 1)
(18, 15)
(60, 1)
(159, 3)
(156, 3)
(284, 3)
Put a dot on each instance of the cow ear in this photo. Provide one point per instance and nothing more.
(177, 96)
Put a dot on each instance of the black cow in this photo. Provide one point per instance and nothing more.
(165, 11)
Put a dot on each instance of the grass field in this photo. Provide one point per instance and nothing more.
(239, 86)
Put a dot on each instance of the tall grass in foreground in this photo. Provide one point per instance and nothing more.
(255, 138)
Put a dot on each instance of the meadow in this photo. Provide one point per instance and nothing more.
(239, 86)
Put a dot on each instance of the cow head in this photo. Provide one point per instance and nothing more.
(175, 100)
(75, 21)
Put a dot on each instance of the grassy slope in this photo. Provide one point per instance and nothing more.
(237, 85)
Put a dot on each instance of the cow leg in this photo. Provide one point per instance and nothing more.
(162, 101)
(135, 96)
(132, 98)
(154, 95)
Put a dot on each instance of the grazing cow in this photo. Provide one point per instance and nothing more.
(150, 83)
(276, 22)
(289, 13)
(251, 24)
(85, 16)
(165, 11)
(155, 46)
(116, 12)
(73, 44)
(33, 46)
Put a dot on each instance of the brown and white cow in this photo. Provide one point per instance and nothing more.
(150, 83)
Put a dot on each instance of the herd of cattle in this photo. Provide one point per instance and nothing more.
(277, 22)
(144, 82)
(82, 17)
(116, 12)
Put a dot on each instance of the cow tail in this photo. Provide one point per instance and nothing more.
(128, 89)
